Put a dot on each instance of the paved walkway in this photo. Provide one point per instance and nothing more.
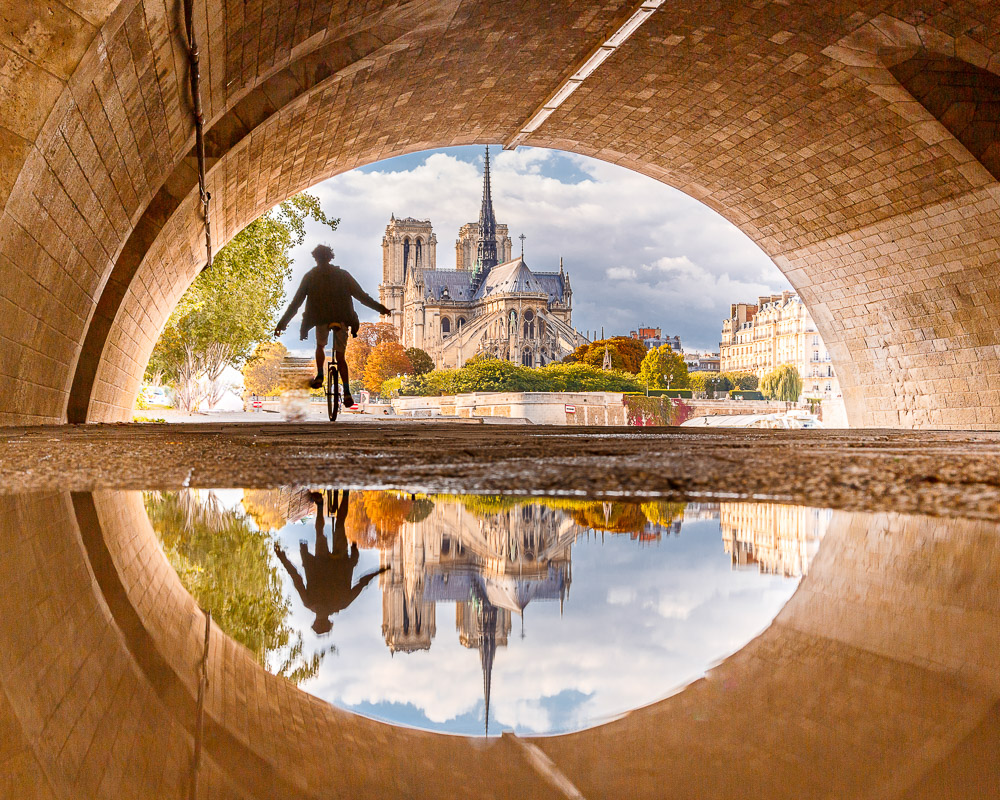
(935, 472)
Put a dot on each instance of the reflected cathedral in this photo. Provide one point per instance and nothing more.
(491, 565)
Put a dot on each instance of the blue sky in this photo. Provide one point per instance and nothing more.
(638, 252)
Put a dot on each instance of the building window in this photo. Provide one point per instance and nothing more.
(526, 358)
(828, 387)
(460, 323)
(445, 326)
(815, 341)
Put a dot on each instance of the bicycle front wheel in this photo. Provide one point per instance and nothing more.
(332, 392)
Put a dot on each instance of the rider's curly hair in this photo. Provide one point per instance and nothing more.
(322, 250)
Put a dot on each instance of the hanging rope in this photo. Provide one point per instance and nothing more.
(199, 124)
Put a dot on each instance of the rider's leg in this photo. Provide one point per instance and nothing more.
(322, 333)
(342, 369)
(340, 353)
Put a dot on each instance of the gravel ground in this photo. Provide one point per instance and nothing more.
(932, 472)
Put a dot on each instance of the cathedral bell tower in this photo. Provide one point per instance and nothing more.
(409, 246)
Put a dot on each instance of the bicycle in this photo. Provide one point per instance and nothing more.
(332, 389)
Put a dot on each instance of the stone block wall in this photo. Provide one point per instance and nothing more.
(798, 127)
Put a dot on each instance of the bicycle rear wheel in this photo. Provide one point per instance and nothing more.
(332, 391)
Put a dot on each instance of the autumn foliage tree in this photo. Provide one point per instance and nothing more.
(262, 373)
(370, 335)
(386, 360)
(626, 353)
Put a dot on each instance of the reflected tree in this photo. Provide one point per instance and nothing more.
(226, 565)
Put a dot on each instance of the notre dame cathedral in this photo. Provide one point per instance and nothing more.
(490, 304)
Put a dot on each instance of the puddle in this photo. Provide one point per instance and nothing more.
(474, 615)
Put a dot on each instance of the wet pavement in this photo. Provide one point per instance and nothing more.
(927, 472)
(681, 637)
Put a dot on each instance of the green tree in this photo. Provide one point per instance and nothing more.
(233, 306)
(712, 383)
(420, 359)
(783, 383)
(745, 381)
(227, 567)
(662, 368)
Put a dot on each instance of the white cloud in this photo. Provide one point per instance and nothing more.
(638, 251)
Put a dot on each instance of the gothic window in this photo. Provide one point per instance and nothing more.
(445, 326)
(406, 256)
(526, 358)
(460, 323)
(419, 259)
(541, 327)
(529, 315)
(526, 330)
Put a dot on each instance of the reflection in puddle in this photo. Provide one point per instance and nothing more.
(342, 592)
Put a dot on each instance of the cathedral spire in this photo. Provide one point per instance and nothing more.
(486, 254)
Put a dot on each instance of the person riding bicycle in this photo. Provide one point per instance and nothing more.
(328, 291)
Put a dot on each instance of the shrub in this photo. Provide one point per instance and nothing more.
(642, 411)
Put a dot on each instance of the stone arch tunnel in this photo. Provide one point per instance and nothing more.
(855, 142)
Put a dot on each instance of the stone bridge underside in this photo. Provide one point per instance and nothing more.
(856, 142)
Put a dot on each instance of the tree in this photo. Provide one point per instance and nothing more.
(783, 383)
(626, 353)
(262, 373)
(370, 335)
(387, 360)
(233, 306)
(420, 359)
(226, 565)
(744, 381)
(662, 368)
(711, 383)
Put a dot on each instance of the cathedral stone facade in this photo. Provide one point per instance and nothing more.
(491, 304)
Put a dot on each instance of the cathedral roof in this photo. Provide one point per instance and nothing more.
(457, 282)
(514, 277)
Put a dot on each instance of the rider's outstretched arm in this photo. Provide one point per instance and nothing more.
(366, 299)
(293, 307)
